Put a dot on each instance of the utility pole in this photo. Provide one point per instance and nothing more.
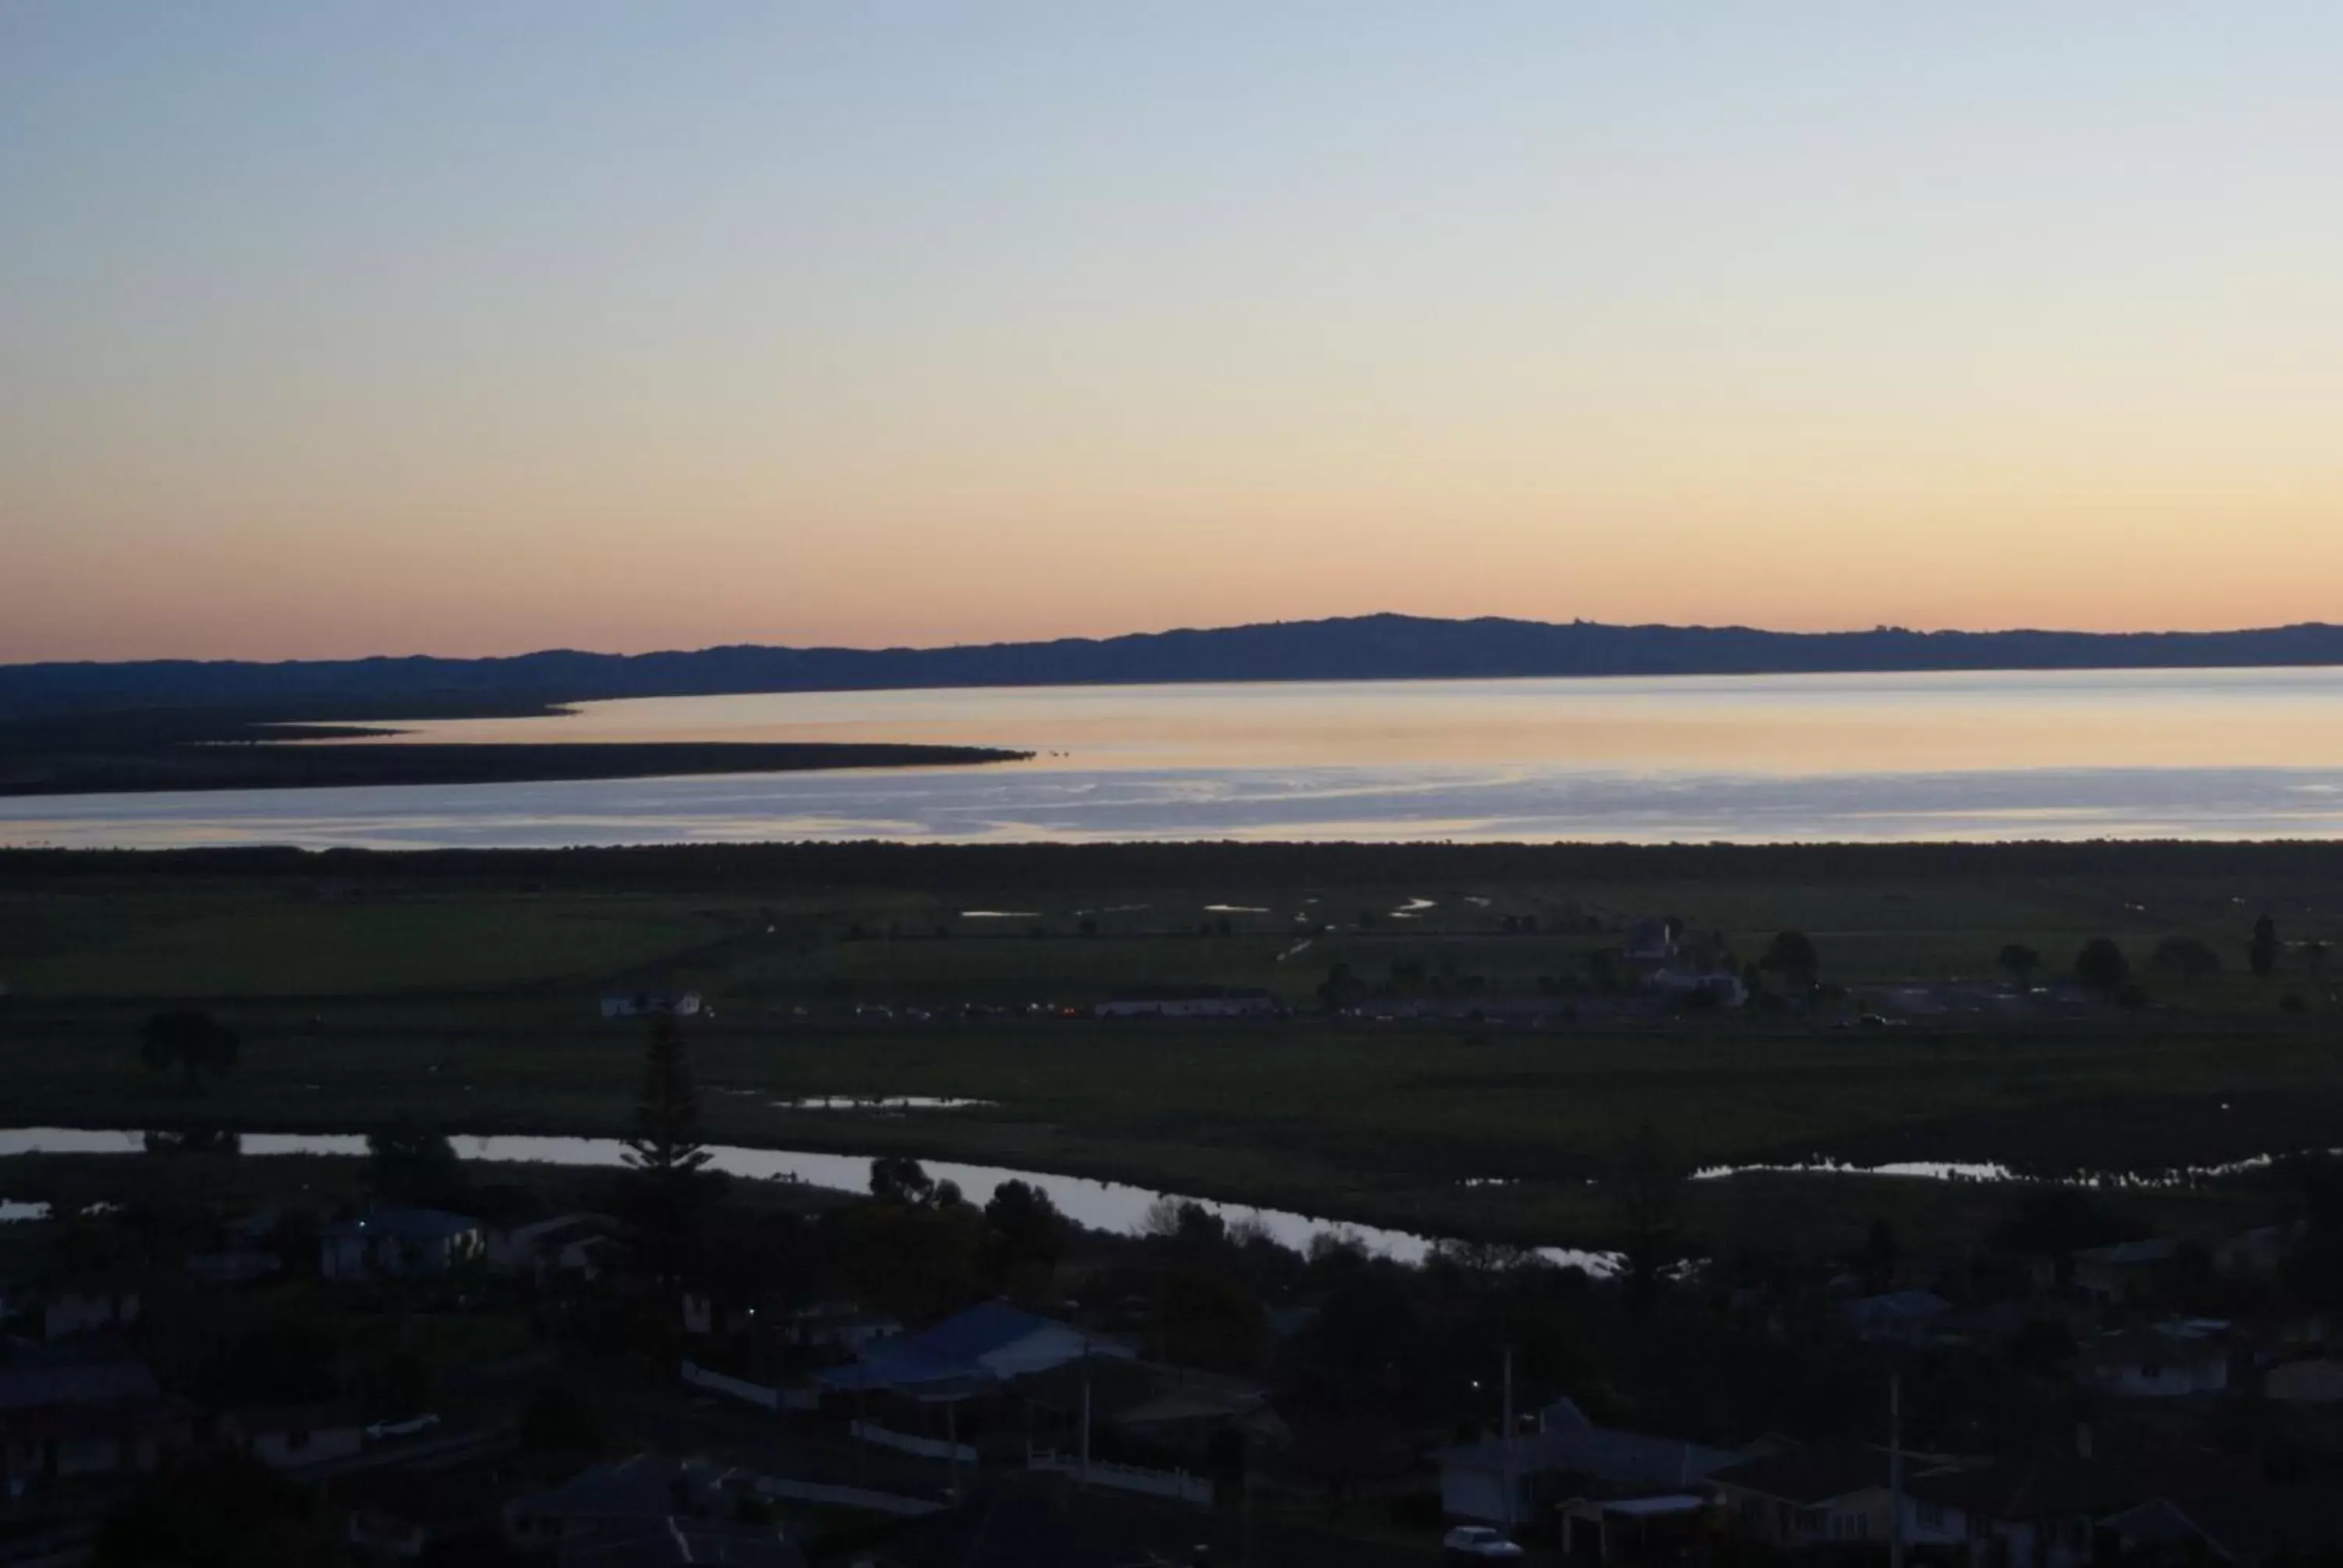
(1895, 1470)
(951, 1443)
(1508, 1443)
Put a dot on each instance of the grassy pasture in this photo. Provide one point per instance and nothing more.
(365, 988)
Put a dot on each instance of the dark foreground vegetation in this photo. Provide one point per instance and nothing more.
(220, 1359)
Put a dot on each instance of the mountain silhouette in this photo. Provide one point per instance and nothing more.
(1360, 647)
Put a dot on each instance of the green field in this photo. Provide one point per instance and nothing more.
(464, 992)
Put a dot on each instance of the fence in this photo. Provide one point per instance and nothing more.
(903, 1442)
(773, 1399)
(1177, 1484)
(854, 1497)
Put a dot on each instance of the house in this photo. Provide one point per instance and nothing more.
(232, 1267)
(2170, 1361)
(1174, 1411)
(2260, 1253)
(391, 1242)
(1204, 1001)
(2034, 1514)
(1649, 942)
(250, 1231)
(652, 1004)
(985, 1345)
(1898, 1318)
(2248, 1526)
(65, 1311)
(1048, 1524)
(396, 1514)
(839, 1325)
(1807, 1498)
(567, 1246)
(65, 1418)
(1711, 988)
(1673, 1526)
(677, 1542)
(2318, 1381)
(604, 1500)
(2126, 1271)
(294, 1437)
(1508, 1482)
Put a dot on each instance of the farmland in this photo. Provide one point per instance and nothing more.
(465, 990)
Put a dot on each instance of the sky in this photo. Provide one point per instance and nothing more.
(331, 330)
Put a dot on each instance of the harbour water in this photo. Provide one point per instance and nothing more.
(2115, 754)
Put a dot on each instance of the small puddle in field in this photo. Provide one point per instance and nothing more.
(878, 1103)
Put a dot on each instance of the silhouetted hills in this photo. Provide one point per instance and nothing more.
(1362, 648)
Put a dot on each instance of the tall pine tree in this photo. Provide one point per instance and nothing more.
(672, 1183)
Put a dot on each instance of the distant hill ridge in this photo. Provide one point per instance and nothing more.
(1359, 648)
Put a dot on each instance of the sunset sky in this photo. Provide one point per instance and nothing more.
(331, 329)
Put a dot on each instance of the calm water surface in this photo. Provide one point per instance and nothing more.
(2206, 754)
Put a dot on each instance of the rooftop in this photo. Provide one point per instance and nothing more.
(1810, 1475)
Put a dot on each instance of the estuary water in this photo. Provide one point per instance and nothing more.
(2188, 754)
(1101, 1206)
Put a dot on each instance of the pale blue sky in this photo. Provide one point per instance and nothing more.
(337, 328)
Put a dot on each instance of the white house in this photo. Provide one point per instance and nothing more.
(652, 1004)
(2038, 1513)
(1189, 1004)
(395, 1242)
(1899, 1317)
(575, 1246)
(1508, 1483)
(1649, 942)
(86, 1309)
(294, 1437)
(2170, 1361)
(1722, 988)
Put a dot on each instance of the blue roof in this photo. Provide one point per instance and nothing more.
(951, 1353)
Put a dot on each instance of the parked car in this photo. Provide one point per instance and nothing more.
(414, 1425)
(1478, 1543)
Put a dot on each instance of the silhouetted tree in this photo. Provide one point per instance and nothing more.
(1340, 988)
(2101, 965)
(900, 1179)
(1792, 955)
(671, 1182)
(1186, 1222)
(1880, 1254)
(1204, 1317)
(193, 1140)
(408, 1162)
(2019, 962)
(2261, 953)
(194, 1042)
(1645, 1192)
(1024, 1236)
